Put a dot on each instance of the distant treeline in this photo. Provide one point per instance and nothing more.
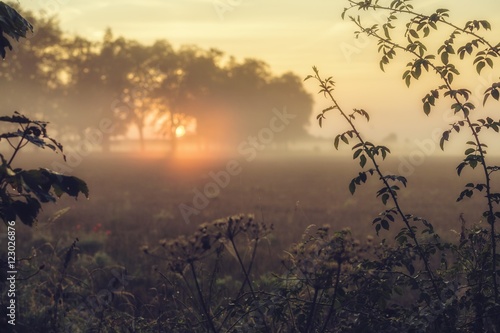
(78, 84)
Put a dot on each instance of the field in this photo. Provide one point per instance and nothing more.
(136, 198)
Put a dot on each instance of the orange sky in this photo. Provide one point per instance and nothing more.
(287, 34)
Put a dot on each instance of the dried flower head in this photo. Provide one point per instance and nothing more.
(210, 238)
(319, 256)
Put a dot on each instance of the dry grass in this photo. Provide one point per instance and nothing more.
(137, 198)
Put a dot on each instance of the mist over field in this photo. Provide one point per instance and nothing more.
(143, 197)
(213, 135)
(165, 174)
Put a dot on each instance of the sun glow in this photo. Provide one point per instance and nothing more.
(180, 131)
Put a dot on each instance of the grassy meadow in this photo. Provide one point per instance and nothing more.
(78, 246)
(135, 199)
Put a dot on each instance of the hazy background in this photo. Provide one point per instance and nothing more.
(151, 99)
(289, 36)
(182, 112)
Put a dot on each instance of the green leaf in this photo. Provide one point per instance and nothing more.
(490, 62)
(407, 80)
(362, 161)
(37, 182)
(72, 186)
(444, 58)
(382, 62)
(418, 71)
(384, 152)
(469, 151)
(495, 94)
(385, 224)
(352, 187)
(427, 108)
(362, 176)
(385, 198)
(386, 31)
(465, 193)
(450, 77)
(344, 138)
(486, 25)
(478, 58)
(468, 48)
(16, 118)
(473, 164)
(426, 31)
(413, 33)
(336, 142)
(460, 167)
(486, 95)
(12, 24)
(480, 65)
(27, 211)
(444, 138)
(356, 153)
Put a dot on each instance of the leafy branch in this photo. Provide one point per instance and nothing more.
(22, 191)
(364, 151)
(446, 71)
(13, 25)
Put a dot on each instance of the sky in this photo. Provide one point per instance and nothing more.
(289, 35)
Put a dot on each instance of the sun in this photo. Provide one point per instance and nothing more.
(180, 131)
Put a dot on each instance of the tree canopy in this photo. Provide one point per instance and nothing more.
(76, 82)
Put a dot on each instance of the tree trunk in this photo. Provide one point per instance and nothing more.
(173, 137)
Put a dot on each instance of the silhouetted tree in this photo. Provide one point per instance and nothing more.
(190, 78)
(82, 82)
(287, 92)
(33, 65)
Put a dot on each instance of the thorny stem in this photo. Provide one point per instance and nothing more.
(491, 215)
(413, 236)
